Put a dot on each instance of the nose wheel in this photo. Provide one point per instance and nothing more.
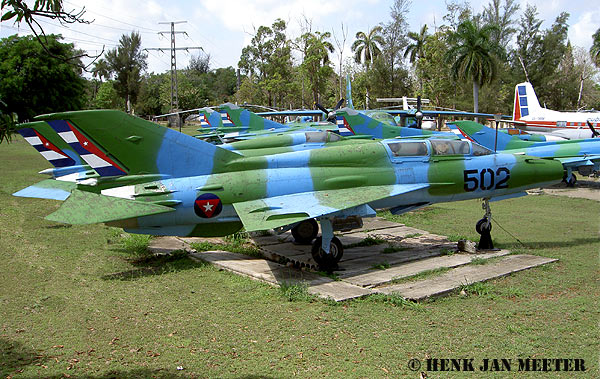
(327, 250)
(484, 228)
(327, 261)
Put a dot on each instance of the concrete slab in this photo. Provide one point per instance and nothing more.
(417, 251)
(275, 273)
(378, 277)
(338, 290)
(166, 245)
(469, 274)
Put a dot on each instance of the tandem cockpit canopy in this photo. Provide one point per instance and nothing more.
(322, 136)
(435, 147)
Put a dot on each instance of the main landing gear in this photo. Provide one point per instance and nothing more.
(305, 231)
(570, 178)
(327, 250)
(484, 227)
(571, 181)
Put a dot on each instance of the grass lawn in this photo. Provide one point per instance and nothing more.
(74, 301)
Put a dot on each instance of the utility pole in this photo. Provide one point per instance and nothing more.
(174, 99)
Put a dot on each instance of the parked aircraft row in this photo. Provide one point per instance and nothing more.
(113, 168)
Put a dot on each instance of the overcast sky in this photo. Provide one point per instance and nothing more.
(223, 27)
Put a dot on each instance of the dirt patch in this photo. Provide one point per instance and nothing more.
(586, 188)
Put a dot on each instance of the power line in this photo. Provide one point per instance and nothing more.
(76, 31)
(29, 32)
(114, 19)
(174, 100)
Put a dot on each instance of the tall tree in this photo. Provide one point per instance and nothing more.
(34, 82)
(502, 16)
(595, 49)
(394, 35)
(101, 70)
(366, 48)
(415, 49)
(316, 62)
(340, 43)
(472, 55)
(529, 41)
(268, 62)
(553, 48)
(457, 12)
(128, 62)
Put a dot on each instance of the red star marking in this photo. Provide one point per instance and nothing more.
(208, 206)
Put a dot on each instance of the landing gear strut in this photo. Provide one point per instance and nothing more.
(571, 180)
(327, 250)
(484, 227)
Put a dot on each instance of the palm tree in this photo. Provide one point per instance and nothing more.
(473, 56)
(367, 47)
(595, 49)
(101, 70)
(416, 49)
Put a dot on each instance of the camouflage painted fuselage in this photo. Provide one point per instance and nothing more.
(332, 179)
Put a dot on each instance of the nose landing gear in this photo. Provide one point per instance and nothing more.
(484, 228)
(327, 250)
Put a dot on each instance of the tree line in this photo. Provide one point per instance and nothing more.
(470, 61)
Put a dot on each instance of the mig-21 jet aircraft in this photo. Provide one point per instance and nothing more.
(582, 155)
(154, 180)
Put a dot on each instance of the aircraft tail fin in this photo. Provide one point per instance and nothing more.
(351, 122)
(114, 143)
(38, 135)
(210, 119)
(349, 103)
(245, 119)
(485, 136)
(526, 101)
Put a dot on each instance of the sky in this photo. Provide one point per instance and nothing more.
(223, 27)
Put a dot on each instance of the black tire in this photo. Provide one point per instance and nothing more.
(479, 226)
(572, 180)
(305, 232)
(329, 261)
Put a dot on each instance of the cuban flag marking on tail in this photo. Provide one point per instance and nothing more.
(204, 121)
(343, 127)
(88, 151)
(208, 205)
(459, 133)
(53, 154)
(225, 118)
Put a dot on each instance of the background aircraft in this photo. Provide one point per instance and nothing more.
(529, 115)
(166, 183)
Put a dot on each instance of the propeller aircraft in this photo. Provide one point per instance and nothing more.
(530, 116)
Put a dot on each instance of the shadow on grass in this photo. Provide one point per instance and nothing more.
(150, 373)
(548, 245)
(15, 357)
(58, 226)
(152, 265)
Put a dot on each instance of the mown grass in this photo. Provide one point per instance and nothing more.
(74, 302)
(236, 243)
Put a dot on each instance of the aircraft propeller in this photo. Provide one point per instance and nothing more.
(595, 133)
(330, 115)
(419, 113)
